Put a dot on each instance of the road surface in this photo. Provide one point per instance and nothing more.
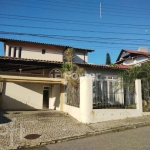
(135, 139)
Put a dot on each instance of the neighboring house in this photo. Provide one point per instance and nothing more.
(133, 57)
(28, 78)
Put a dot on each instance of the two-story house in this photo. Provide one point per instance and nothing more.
(133, 57)
(28, 74)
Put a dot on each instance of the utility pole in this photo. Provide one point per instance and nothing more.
(100, 10)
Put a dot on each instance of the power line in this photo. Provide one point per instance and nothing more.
(77, 38)
(87, 24)
(73, 22)
(45, 18)
(75, 11)
(122, 6)
(58, 4)
(47, 8)
(68, 6)
(63, 29)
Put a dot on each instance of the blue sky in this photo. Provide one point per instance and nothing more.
(124, 24)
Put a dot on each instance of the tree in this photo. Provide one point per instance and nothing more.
(71, 73)
(69, 69)
(138, 72)
(108, 60)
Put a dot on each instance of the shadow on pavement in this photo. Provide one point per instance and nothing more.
(3, 119)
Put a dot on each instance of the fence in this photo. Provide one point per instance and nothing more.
(109, 93)
(98, 93)
(146, 95)
(90, 115)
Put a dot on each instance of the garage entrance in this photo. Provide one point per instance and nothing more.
(46, 94)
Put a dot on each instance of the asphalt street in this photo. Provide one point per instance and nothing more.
(134, 139)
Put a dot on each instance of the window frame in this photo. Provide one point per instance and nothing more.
(43, 51)
(20, 51)
(9, 51)
(15, 49)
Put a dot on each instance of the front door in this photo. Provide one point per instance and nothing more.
(46, 97)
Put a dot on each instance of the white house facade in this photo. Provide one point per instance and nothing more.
(30, 77)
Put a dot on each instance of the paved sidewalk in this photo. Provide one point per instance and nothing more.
(52, 126)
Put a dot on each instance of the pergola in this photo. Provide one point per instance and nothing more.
(25, 79)
(11, 64)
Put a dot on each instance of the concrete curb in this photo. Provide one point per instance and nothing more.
(89, 134)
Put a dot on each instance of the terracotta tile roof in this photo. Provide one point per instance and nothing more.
(28, 60)
(16, 40)
(116, 66)
(123, 66)
(137, 52)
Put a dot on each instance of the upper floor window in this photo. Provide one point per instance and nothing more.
(43, 51)
(9, 51)
(20, 50)
(15, 48)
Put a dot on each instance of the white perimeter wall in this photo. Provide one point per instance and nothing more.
(99, 115)
(86, 113)
(73, 111)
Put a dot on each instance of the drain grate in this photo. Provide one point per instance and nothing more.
(32, 136)
(16, 113)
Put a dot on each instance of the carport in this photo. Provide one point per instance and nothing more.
(26, 83)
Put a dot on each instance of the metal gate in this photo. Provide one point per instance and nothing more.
(109, 92)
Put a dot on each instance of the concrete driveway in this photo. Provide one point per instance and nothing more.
(20, 128)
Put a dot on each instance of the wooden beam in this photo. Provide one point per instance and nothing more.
(30, 62)
(9, 78)
(27, 81)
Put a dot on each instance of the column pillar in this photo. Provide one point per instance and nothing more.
(6, 50)
(17, 52)
(62, 96)
(12, 52)
(86, 99)
(138, 94)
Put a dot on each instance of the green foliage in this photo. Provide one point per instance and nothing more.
(69, 68)
(108, 59)
(113, 65)
(137, 72)
(69, 54)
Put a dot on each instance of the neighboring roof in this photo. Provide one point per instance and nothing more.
(7, 39)
(116, 66)
(133, 52)
(122, 66)
(47, 62)
(137, 52)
